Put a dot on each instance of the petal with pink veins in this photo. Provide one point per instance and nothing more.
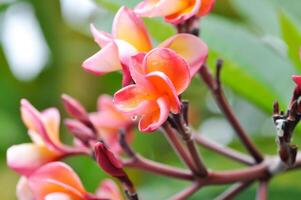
(190, 47)
(130, 28)
(104, 61)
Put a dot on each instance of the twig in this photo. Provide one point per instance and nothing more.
(178, 147)
(230, 153)
(233, 191)
(180, 121)
(137, 161)
(262, 192)
(187, 192)
(215, 87)
(142, 163)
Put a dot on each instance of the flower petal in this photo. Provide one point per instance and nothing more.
(100, 37)
(156, 8)
(25, 158)
(184, 14)
(297, 80)
(132, 99)
(51, 119)
(105, 61)
(58, 196)
(108, 190)
(157, 115)
(130, 28)
(164, 87)
(206, 7)
(167, 61)
(56, 177)
(190, 47)
(23, 190)
(34, 120)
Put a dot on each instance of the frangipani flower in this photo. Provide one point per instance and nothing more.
(160, 76)
(174, 11)
(57, 181)
(108, 121)
(108, 190)
(130, 37)
(43, 128)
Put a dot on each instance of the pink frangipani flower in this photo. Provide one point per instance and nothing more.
(156, 89)
(130, 37)
(43, 128)
(108, 121)
(174, 11)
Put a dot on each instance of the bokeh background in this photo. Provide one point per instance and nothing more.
(43, 43)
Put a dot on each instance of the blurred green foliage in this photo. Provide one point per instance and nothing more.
(258, 40)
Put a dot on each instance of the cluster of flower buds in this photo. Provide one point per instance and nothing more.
(153, 79)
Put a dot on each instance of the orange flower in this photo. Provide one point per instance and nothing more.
(156, 89)
(108, 121)
(130, 37)
(57, 180)
(43, 128)
(174, 11)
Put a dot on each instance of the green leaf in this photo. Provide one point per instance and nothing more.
(265, 19)
(254, 60)
(292, 36)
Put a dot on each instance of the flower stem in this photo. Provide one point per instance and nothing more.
(233, 191)
(187, 192)
(178, 147)
(215, 87)
(230, 153)
(262, 192)
(158, 168)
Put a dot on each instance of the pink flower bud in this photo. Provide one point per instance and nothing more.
(74, 108)
(79, 130)
(108, 162)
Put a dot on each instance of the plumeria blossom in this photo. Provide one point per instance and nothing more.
(108, 190)
(43, 128)
(57, 181)
(108, 121)
(156, 89)
(174, 11)
(130, 37)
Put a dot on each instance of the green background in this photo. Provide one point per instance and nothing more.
(259, 41)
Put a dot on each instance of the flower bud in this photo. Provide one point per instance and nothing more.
(79, 130)
(74, 108)
(107, 161)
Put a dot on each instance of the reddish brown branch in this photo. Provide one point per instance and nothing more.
(234, 190)
(262, 192)
(171, 136)
(187, 192)
(218, 94)
(230, 153)
(142, 163)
